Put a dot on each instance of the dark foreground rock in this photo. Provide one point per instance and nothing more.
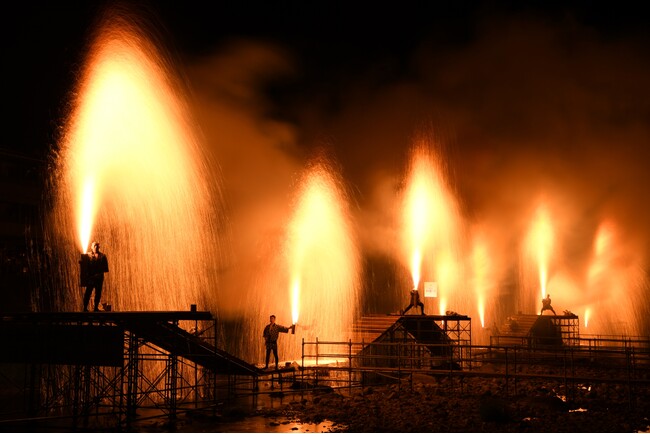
(445, 404)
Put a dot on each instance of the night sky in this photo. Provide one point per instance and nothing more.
(522, 99)
(332, 47)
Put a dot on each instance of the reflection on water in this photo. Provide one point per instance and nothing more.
(264, 424)
(269, 411)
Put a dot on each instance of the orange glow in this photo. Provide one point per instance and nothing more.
(321, 258)
(132, 175)
(615, 280)
(295, 300)
(603, 248)
(415, 268)
(419, 211)
(428, 223)
(448, 271)
(443, 305)
(480, 266)
(125, 135)
(86, 213)
(587, 315)
(541, 243)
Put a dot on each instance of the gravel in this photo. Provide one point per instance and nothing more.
(477, 404)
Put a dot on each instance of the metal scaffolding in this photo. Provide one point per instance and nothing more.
(152, 366)
(93, 371)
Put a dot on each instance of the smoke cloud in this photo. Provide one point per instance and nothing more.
(526, 111)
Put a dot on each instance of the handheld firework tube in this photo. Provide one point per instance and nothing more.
(293, 329)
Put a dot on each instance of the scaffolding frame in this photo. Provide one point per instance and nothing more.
(556, 365)
(458, 329)
(149, 380)
(569, 326)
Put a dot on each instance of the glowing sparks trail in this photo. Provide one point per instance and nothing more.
(295, 300)
(130, 174)
(615, 282)
(322, 259)
(419, 210)
(429, 222)
(86, 213)
(415, 267)
(480, 266)
(541, 244)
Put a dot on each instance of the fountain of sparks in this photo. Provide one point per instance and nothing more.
(535, 269)
(481, 281)
(130, 174)
(483, 286)
(430, 233)
(314, 278)
(614, 285)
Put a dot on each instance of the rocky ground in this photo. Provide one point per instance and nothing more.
(430, 404)
(443, 403)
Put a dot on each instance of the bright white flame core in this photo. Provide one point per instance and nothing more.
(540, 245)
(480, 265)
(543, 241)
(415, 268)
(418, 214)
(86, 213)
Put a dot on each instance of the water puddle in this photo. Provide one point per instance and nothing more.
(266, 424)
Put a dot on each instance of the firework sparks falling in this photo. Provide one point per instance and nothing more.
(130, 173)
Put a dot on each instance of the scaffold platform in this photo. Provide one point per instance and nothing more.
(101, 338)
(111, 364)
(538, 330)
(441, 340)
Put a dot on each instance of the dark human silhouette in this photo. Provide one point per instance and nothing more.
(271, 333)
(97, 266)
(415, 301)
(546, 304)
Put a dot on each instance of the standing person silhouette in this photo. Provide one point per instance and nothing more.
(97, 266)
(270, 334)
(415, 301)
(546, 304)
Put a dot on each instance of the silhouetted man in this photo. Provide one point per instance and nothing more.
(415, 301)
(270, 334)
(97, 266)
(546, 304)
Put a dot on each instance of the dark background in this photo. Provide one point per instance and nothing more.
(333, 41)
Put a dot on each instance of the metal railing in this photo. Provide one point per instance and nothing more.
(350, 364)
